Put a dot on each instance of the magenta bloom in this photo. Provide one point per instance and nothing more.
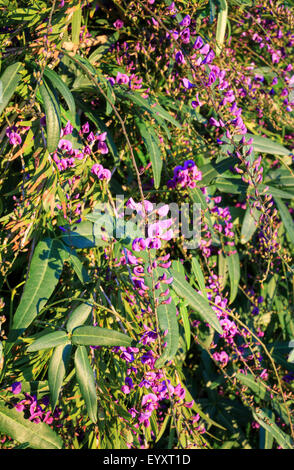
(118, 24)
(65, 145)
(16, 388)
(14, 138)
(139, 244)
(122, 78)
(102, 147)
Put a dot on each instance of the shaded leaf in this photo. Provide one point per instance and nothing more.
(37, 435)
(86, 381)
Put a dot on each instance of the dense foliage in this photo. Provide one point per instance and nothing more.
(147, 188)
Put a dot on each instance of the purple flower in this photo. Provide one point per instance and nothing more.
(118, 24)
(186, 21)
(187, 84)
(16, 388)
(198, 43)
(139, 244)
(179, 57)
(65, 145)
(102, 147)
(122, 78)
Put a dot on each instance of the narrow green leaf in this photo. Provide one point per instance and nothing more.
(249, 224)
(56, 371)
(152, 145)
(52, 111)
(45, 270)
(49, 341)
(186, 325)
(9, 81)
(234, 274)
(76, 25)
(265, 438)
(86, 381)
(262, 417)
(212, 170)
(79, 316)
(264, 145)
(168, 322)
(221, 26)
(198, 197)
(69, 254)
(196, 268)
(95, 336)
(63, 89)
(37, 435)
(149, 105)
(286, 218)
(195, 300)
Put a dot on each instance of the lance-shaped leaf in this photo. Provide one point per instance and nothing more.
(195, 300)
(168, 322)
(249, 224)
(86, 381)
(221, 25)
(152, 144)
(286, 218)
(45, 270)
(149, 105)
(63, 89)
(262, 417)
(79, 316)
(69, 254)
(264, 145)
(57, 369)
(49, 341)
(234, 274)
(9, 81)
(96, 336)
(196, 268)
(37, 435)
(52, 112)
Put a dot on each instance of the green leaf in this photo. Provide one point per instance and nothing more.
(264, 145)
(103, 49)
(213, 170)
(96, 336)
(9, 80)
(259, 389)
(69, 254)
(265, 438)
(221, 26)
(286, 218)
(79, 316)
(149, 105)
(37, 435)
(195, 300)
(196, 268)
(45, 270)
(49, 341)
(81, 235)
(234, 274)
(76, 25)
(152, 145)
(249, 224)
(186, 325)
(167, 318)
(56, 371)
(198, 197)
(231, 185)
(52, 111)
(262, 417)
(86, 381)
(63, 89)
